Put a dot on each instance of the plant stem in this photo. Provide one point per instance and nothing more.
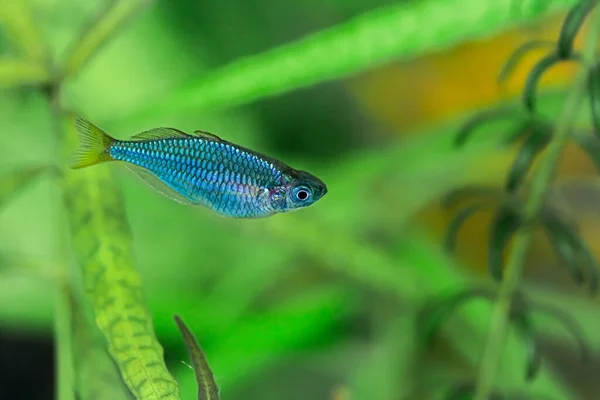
(65, 388)
(495, 343)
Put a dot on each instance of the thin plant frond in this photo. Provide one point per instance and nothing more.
(115, 16)
(517, 55)
(16, 180)
(458, 221)
(16, 73)
(504, 225)
(535, 75)
(534, 144)
(103, 247)
(571, 26)
(364, 42)
(207, 387)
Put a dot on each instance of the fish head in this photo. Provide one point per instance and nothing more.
(298, 189)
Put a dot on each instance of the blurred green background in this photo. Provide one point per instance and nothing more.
(300, 304)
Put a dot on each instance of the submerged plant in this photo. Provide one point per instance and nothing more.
(520, 210)
(117, 353)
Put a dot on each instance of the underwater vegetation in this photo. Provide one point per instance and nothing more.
(352, 295)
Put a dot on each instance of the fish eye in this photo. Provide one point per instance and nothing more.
(302, 193)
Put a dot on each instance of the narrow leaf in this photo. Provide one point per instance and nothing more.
(531, 124)
(535, 143)
(14, 181)
(386, 34)
(16, 73)
(479, 119)
(390, 371)
(594, 93)
(530, 89)
(97, 375)
(116, 15)
(479, 192)
(525, 328)
(22, 29)
(517, 55)
(103, 249)
(458, 221)
(434, 315)
(63, 344)
(563, 246)
(207, 387)
(572, 238)
(505, 224)
(571, 325)
(590, 145)
(465, 391)
(571, 26)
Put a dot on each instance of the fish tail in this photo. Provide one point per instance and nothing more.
(94, 145)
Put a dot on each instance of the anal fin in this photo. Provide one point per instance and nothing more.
(159, 185)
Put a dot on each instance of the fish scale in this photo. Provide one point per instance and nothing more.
(203, 169)
(217, 187)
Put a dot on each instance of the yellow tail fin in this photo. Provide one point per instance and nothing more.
(93, 147)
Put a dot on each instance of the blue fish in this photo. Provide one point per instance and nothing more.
(203, 169)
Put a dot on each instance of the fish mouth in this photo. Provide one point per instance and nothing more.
(323, 190)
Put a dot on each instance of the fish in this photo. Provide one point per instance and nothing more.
(201, 169)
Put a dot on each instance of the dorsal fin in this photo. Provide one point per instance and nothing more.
(160, 133)
(208, 135)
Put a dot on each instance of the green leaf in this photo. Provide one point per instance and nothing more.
(535, 143)
(384, 35)
(16, 73)
(518, 55)
(523, 324)
(16, 180)
(571, 238)
(569, 322)
(563, 246)
(458, 221)
(436, 314)
(571, 26)
(22, 28)
(116, 15)
(594, 93)
(97, 375)
(63, 314)
(479, 119)
(207, 387)
(505, 224)
(103, 248)
(389, 372)
(530, 89)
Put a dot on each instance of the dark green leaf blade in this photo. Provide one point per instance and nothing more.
(517, 55)
(594, 93)
(564, 248)
(207, 387)
(434, 315)
(505, 224)
(571, 325)
(457, 222)
(530, 89)
(572, 238)
(534, 144)
(571, 26)
(525, 328)
(467, 130)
